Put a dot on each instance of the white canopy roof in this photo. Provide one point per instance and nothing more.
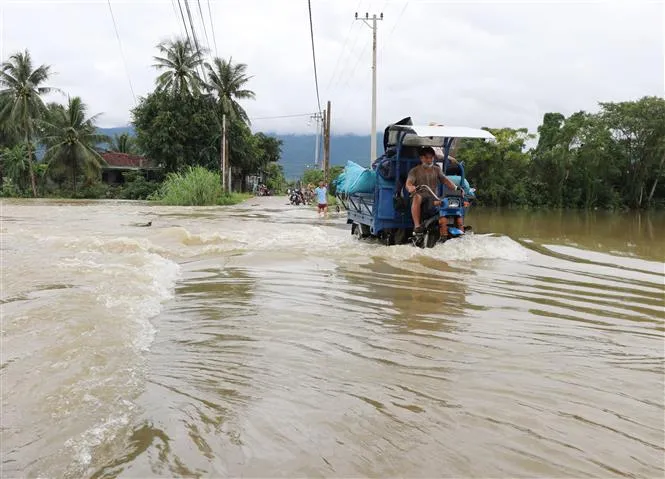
(444, 131)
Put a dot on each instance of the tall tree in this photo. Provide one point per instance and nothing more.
(227, 82)
(179, 59)
(71, 138)
(639, 130)
(177, 131)
(21, 103)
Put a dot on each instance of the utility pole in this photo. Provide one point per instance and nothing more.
(326, 143)
(373, 27)
(222, 153)
(229, 183)
(317, 118)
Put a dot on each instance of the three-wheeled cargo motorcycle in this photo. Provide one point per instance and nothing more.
(384, 212)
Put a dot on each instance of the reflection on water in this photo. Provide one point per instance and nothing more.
(263, 341)
(634, 234)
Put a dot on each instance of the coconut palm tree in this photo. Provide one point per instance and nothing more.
(179, 60)
(71, 141)
(226, 81)
(21, 103)
(123, 143)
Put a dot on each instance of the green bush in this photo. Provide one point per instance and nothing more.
(198, 186)
(9, 189)
(94, 191)
(136, 187)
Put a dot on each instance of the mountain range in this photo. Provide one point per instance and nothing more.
(298, 150)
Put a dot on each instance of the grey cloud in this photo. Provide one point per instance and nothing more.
(474, 63)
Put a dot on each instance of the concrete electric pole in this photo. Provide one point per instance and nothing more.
(317, 117)
(374, 18)
(222, 152)
(326, 143)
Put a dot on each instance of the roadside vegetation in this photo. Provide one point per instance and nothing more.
(197, 186)
(53, 149)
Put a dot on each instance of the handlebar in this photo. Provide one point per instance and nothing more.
(426, 187)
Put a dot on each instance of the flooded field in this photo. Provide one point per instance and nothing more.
(261, 341)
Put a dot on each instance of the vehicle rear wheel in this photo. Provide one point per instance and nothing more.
(360, 231)
(401, 236)
(388, 238)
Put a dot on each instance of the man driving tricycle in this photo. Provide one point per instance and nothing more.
(424, 203)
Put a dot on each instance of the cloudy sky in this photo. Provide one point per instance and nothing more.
(472, 63)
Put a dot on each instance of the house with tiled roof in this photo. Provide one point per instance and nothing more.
(116, 163)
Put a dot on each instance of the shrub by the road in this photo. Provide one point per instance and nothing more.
(197, 186)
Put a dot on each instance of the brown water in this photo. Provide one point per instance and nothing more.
(261, 341)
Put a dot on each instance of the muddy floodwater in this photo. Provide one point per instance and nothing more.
(259, 340)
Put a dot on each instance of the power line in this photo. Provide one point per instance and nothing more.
(346, 39)
(122, 55)
(212, 27)
(346, 64)
(191, 25)
(196, 42)
(203, 22)
(316, 77)
(281, 116)
(182, 16)
(385, 42)
(175, 11)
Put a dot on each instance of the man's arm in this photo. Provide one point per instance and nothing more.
(446, 181)
(410, 180)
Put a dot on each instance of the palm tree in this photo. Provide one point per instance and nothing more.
(123, 143)
(180, 60)
(15, 166)
(21, 104)
(227, 81)
(71, 139)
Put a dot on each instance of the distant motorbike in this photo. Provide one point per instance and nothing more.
(296, 198)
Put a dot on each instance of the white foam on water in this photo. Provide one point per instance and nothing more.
(188, 238)
(129, 284)
(103, 433)
(132, 284)
(465, 249)
(91, 337)
(114, 245)
(322, 240)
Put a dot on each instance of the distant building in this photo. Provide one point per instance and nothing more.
(119, 163)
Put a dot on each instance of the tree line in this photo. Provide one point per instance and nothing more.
(178, 125)
(612, 159)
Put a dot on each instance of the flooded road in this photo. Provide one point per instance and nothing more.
(261, 341)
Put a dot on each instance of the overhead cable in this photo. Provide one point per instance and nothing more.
(316, 77)
(122, 55)
(212, 27)
(281, 116)
(205, 30)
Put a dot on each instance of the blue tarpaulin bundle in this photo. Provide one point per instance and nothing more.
(355, 179)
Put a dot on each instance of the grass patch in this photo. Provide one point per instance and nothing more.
(197, 186)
